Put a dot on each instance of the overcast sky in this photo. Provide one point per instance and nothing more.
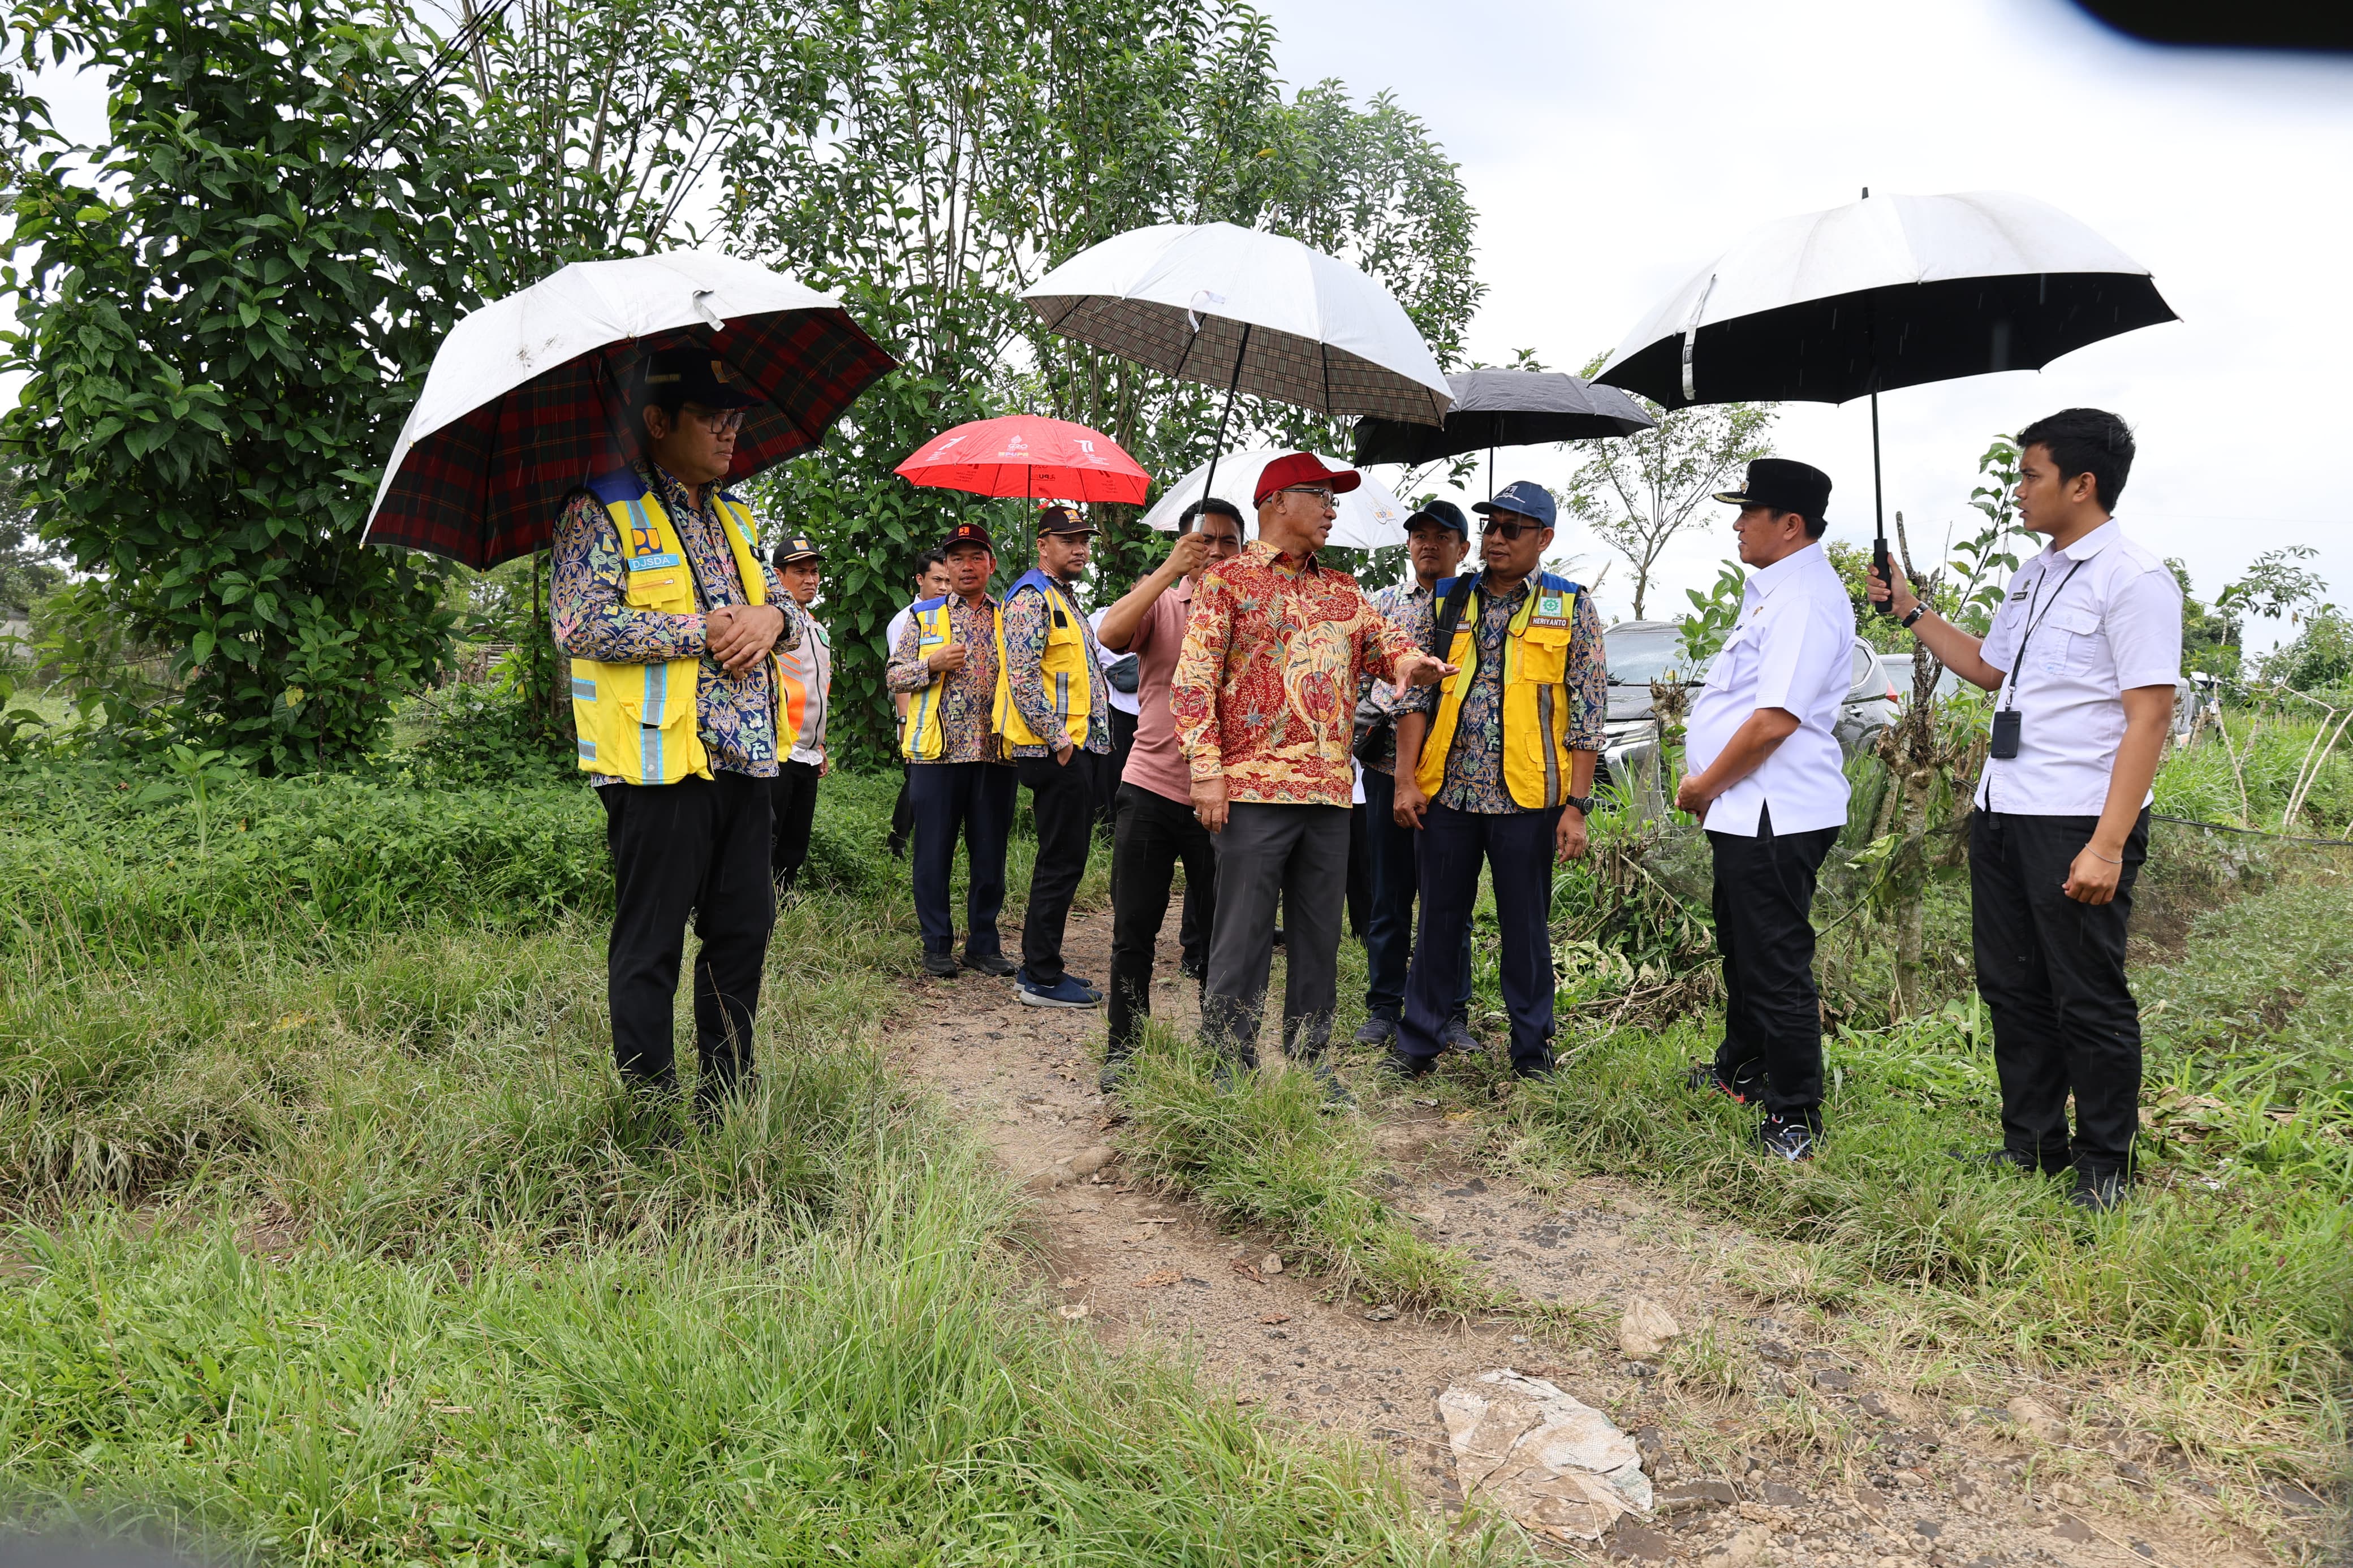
(1611, 150)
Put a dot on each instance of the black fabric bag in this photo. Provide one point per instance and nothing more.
(1374, 727)
(1125, 673)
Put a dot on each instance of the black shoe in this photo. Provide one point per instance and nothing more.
(1537, 1071)
(941, 965)
(1999, 1160)
(1398, 1065)
(2097, 1192)
(1278, 937)
(1788, 1140)
(1336, 1096)
(1199, 974)
(1457, 1037)
(995, 965)
(1113, 1071)
(1377, 1032)
(1704, 1079)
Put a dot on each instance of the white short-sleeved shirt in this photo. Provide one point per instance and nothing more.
(1122, 701)
(2106, 617)
(898, 623)
(1791, 650)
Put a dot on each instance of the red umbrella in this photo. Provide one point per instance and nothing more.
(1023, 455)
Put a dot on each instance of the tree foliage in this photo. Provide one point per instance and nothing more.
(1636, 492)
(223, 314)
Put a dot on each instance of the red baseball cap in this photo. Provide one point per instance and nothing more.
(1302, 468)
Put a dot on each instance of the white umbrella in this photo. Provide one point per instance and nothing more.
(1246, 310)
(1885, 292)
(527, 395)
(1370, 517)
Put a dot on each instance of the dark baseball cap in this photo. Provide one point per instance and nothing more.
(799, 547)
(698, 375)
(967, 533)
(1445, 513)
(1785, 486)
(1523, 496)
(1056, 518)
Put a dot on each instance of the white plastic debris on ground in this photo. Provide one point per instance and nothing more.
(1558, 1466)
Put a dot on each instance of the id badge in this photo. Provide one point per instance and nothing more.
(2006, 725)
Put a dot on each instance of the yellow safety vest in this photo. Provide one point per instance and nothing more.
(1062, 668)
(637, 721)
(1535, 692)
(923, 738)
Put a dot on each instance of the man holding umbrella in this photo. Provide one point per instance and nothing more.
(1769, 784)
(673, 622)
(2084, 653)
(1437, 537)
(948, 659)
(1264, 696)
(1052, 706)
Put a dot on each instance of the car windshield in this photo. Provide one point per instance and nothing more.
(1639, 653)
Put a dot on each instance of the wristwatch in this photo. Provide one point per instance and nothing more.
(1584, 803)
(1917, 611)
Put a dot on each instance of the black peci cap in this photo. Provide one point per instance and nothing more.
(1785, 486)
(698, 375)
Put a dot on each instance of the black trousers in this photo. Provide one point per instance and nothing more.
(1153, 834)
(1391, 856)
(794, 798)
(902, 814)
(2052, 972)
(974, 802)
(1107, 769)
(1516, 847)
(1764, 902)
(1360, 876)
(699, 846)
(1297, 855)
(1062, 800)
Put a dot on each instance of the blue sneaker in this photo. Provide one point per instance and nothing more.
(1068, 993)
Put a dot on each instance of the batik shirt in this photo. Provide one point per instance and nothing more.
(1027, 621)
(1265, 690)
(735, 715)
(1396, 604)
(1474, 768)
(968, 701)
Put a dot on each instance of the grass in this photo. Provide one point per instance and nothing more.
(334, 1239)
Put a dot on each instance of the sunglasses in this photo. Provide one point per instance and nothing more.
(1510, 530)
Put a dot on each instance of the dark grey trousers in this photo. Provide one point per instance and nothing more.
(1299, 854)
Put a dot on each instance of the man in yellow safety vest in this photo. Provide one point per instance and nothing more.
(1053, 708)
(807, 674)
(1501, 774)
(948, 661)
(673, 621)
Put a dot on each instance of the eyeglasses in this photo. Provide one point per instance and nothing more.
(718, 421)
(1322, 494)
(1510, 530)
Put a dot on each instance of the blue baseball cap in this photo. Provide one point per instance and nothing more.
(1523, 496)
(1445, 513)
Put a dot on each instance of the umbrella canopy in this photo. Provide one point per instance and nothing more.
(1885, 292)
(1370, 517)
(1504, 408)
(530, 395)
(1023, 455)
(1243, 311)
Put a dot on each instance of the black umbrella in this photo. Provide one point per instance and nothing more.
(1504, 408)
(1882, 293)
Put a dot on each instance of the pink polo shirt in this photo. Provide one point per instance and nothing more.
(1155, 763)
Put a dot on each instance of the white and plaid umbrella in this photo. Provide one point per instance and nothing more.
(1370, 517)
(1242, 310)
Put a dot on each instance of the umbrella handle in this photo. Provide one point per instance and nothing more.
(1879, 514)
(1209, 480)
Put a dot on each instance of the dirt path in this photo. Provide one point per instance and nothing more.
(1741, 1479)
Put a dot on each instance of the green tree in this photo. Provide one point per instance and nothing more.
(223, 314)
(2209, 634)
(928, 162)
(1636, 492)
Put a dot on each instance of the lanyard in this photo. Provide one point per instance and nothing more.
(2009, 696)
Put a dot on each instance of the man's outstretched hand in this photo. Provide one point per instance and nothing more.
(1421, 670)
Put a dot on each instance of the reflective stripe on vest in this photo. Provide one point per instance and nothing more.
(1536, 706)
